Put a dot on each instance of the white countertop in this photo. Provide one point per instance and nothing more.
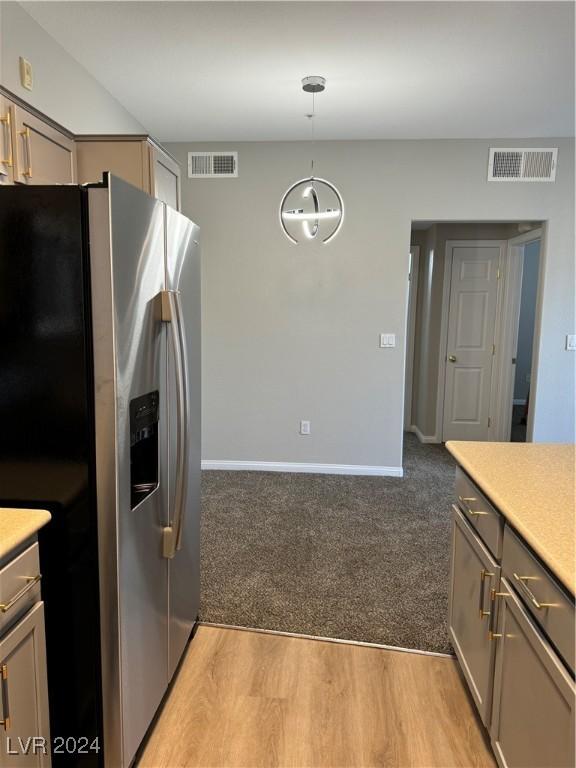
(17, 525)
(532, 485)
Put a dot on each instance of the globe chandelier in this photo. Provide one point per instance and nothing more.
(312, 208)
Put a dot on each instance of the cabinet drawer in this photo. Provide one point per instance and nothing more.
(550, 606)
(19, 586)
(481, 514)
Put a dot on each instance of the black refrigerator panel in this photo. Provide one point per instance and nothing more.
(47, 434)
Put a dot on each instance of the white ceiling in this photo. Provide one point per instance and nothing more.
(230, 71)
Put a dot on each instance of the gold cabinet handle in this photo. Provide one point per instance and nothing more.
(5, 703)
(452, 358)
(465, 501)
(483, 575)
(26, 135)
(6, 121)
(32, 580)
(493, 595)
(521, 581)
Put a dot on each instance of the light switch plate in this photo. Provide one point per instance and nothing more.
(304, 427)
(26, 75)
(571, 342)
(387, 340)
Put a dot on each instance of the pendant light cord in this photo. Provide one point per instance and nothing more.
(312, 116)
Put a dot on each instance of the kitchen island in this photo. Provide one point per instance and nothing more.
(511, 618)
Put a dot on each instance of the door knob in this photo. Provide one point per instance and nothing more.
(452, 358)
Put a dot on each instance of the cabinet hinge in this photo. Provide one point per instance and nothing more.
(498, 274)
(493, 349)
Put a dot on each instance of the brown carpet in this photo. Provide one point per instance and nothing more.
(358, 558)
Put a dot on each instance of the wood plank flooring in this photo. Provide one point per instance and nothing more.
(252, 699)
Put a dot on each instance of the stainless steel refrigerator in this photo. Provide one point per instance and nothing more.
(100, 405)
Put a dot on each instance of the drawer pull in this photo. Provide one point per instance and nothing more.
(465, 500)
(521, 580)
(483, 574)
(32, 580)
(5, 703)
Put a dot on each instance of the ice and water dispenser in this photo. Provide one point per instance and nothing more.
(144, 413)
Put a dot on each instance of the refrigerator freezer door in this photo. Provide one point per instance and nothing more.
(183, 276)
(128, 274)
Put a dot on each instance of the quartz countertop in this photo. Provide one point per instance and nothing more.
(532, 485)
(17, 525)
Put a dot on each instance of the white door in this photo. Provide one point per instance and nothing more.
(471, 329)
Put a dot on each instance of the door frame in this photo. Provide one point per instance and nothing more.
(507, 331)
(443, 351)
(411, 333)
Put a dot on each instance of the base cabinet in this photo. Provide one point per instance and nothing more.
(512, 627)
(474, 574)
(533, 710)
(24, 728)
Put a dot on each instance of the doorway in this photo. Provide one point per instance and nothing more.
(524, 253)
(474, 330)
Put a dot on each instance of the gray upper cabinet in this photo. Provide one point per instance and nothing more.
(533, 711)
(474, 574)
(137, 159)
(165, 177)
(42, 153)
(24, 694)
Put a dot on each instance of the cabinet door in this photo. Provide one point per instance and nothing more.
(534, 696)
(127, 160)
(6, 141)
(43, 155)
(165, 183)
(24, 694)
(474, 574)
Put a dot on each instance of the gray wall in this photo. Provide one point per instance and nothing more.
(63, 89)
(291, 332)
(429, 313)
(526, 322)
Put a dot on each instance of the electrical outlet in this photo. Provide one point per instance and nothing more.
(571, 342)
(26, 75)
(304, 427)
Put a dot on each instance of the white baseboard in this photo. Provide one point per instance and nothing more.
(291, 466)
(519, 401)
(423, 438)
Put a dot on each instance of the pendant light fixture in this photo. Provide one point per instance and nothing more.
(312, 209)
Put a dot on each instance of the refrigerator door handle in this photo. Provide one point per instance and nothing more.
(171, 313)
(183, 424)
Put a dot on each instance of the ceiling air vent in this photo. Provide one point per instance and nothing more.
(212, 165)
(521, 164)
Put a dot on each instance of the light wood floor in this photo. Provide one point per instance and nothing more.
(251, 699)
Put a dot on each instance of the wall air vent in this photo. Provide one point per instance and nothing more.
(522, 164)
(212, 165)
